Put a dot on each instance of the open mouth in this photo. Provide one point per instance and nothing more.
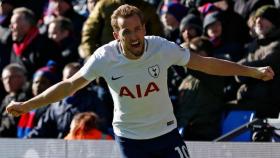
(135, 44)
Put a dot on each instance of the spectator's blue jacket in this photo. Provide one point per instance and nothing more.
(55, 123)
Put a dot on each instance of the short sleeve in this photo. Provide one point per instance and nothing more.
(90, 69)
(173, 54)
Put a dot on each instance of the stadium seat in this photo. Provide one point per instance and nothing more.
(234, 119)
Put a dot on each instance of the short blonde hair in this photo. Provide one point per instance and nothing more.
(125, 11)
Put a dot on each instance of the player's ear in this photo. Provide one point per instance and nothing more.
(116, 35)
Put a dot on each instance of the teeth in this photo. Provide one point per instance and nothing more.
(136, 42)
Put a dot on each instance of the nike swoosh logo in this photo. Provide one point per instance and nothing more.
(115, 78)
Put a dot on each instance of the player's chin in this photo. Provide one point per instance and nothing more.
(138, 53)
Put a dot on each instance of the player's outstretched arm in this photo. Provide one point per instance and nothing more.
(221, 67)
(52, 94)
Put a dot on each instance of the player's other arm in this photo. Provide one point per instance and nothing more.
(221, 67)
(52, 94)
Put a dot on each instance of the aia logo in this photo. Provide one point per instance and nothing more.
(154, 71)
(140, 92)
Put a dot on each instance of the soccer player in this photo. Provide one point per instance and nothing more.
(135, 68)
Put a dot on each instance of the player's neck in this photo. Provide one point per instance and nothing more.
(128, 54)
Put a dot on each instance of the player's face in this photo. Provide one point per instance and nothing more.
(131, 35)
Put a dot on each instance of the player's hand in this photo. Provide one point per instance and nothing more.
(264, 73)
(16, 108)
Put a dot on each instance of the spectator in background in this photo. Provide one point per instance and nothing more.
(36, 6)
(234, 24)
(215, 30)
(6, 11)
(84, 7)
(171, 16)
(15, 84)
(4, 60)
(263, 97)
(65, 8)
(251, 25)
(42, 79)
(245, 8)
(190, 27)
(235, 29)
(224, 49)
(29, 48)
(61, 31)
(251, 46)
(85, 126)
(97, 29)
(2, 90)
(201, 101)
(91, 4)
(205, 7)
(55, 123)
(155, 3)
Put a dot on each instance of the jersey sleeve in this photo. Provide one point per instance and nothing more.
(173, 54)
(91, 68)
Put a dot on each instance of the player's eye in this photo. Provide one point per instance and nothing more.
(126, 32)
(137, 29)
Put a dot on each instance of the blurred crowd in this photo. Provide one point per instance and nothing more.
(45, 41)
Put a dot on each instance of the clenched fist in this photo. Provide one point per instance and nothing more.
(16, 108)
(264, 73)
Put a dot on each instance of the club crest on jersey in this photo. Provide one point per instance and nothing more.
(154, 71)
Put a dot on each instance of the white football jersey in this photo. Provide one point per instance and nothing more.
(142, 107)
